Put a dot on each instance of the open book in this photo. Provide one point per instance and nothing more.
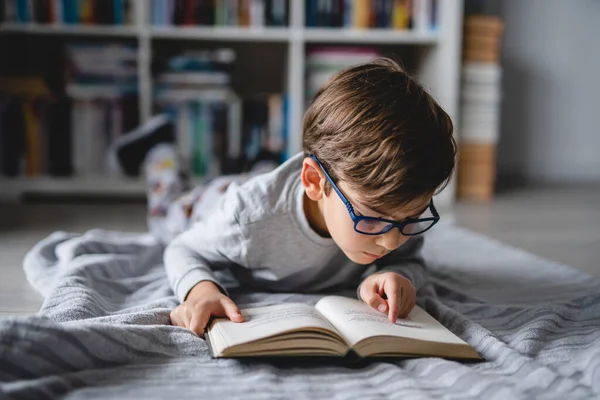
(336, 326)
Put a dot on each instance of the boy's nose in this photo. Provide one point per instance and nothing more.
(392, 240)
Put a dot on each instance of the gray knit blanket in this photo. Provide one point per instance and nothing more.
(103, 331)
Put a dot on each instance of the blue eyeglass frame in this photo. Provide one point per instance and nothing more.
(391, 224)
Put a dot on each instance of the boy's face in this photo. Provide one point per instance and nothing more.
(360, 248)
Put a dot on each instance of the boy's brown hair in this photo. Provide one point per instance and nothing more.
(375, 128)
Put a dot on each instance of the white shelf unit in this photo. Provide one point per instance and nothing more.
(439, 66)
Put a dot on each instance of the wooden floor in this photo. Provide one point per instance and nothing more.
(562, 224)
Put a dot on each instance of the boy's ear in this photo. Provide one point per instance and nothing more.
(313, 179)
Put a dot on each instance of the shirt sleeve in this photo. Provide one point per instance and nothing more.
(406, 261)
(213, 243)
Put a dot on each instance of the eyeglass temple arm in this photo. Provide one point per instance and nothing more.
(333, 185)
(433, 209)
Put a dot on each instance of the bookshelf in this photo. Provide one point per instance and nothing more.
(437, 53)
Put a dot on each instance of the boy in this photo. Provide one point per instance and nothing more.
(376, 149)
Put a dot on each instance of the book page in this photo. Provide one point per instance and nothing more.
(268, 321)
(356, 321)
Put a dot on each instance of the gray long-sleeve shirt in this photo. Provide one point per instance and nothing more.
(259, 232)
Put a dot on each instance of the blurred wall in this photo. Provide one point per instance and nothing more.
(551, 106)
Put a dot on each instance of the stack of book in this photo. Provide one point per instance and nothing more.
(419, 15)
(101, 12)
(323, 62)
(480, 108)
(216, 130)
(243, 13)
(103, 88)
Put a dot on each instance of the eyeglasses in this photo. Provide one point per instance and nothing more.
(378, 226)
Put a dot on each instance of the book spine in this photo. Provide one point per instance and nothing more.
(389, 13)
(86, 11)
(42, 108)
(70, 11)
(244, 13)
(362, 14)
(285, 129)
(189, 17)
(219, 142)
(16, 140)
(31, 11)
(219, 13)
(119, 12)
(35, 10)
(197, 134)
(74, 12)
(79, 118)
(208, 139)
(32, 155)
(348, 11)
(168, 11)
(107, 119)
(378, 14)
(46, 11)
(183, 133)
(3, 17)
(58, 137)
(421, 15)
(179, 12)
(207, 10)
(257, 13)
(434, 15)
(311, 13)
(234, 131)
(232, 13)
(156, 17)
(115, 119)
(337, 13)
(22, 11)
(400, 15)
(57, 12)
(92, 133)
(199, 12)
(322, 13)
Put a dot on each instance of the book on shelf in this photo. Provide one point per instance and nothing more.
(100, 115)
(336, 326)
(102, 84)
(239, 13)
(85, 12)
(217, 131)
(419, 15)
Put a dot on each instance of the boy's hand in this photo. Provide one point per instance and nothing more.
(203, 301)
(400, 293)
